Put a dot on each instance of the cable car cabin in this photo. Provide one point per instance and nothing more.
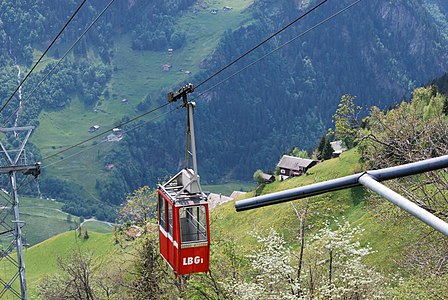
(183, 217)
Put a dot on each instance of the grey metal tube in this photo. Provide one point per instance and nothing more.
(404, 203)
(298, 193)
(418, 167)
(342, 183)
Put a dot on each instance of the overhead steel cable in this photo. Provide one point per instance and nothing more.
(42, 56)
(279, 47)
(63, 57)
(228, 65)
(105, 132)
(276, 49)
(262, 43)
(26, 181)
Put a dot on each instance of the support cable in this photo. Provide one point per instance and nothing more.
(262, 43)
(278, 48)
(228, 65)
(214, 75)
(42, 56)
(27, 180)
(62, 58)
(222, 69)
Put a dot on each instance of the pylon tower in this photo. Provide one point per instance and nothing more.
(13, 281)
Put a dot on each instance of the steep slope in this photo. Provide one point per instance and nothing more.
(350, 204)
(232, 228)
(377, 51)
(133, 73)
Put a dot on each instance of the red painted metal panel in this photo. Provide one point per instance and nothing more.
(191, 258)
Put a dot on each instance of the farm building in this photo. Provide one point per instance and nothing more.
(338, 148)
(291, 166)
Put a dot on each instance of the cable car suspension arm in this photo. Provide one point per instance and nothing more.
(190, 148)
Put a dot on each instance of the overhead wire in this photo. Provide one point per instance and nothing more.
(262, 43)
(62, 58)
(203, 82)
(201, 94)
(42, 56)
(214, 75)
(24, 182)
(28, 180)
(279, 47)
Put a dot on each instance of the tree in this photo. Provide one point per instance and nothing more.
(327, 151)
(272, 271)
(317, 154)
(324, 150)
(80, 278)
(139, 208)
(333, 268)
(258, 178)
(410, 132)
(299, 153)
(337, 271)
(149, 277)
(346, 121)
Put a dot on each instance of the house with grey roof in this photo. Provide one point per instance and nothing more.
(290, 166)
(267, 178)
(338, 147)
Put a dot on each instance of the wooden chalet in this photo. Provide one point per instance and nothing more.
(338, 147)
(267, 178)
(291, 166)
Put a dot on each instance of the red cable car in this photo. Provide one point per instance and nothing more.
(183, 217)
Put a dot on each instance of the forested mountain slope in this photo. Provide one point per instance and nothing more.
(378, 51)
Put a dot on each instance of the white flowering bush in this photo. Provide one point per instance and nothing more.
(332, 268)
(338, 267)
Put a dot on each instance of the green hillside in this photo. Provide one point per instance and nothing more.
(44, 219)
(137, 76)
(387, 238)
(40, 260)
(123, 67)
(49, 234)
(349, 203)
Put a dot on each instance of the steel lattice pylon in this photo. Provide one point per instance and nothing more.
(10, 225)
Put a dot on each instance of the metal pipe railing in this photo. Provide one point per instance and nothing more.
(352, 181)
(405, 204)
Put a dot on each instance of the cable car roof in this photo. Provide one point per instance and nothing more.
(183, 189)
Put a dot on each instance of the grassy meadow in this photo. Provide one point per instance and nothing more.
(386, 239)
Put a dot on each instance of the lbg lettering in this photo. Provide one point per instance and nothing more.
(188, 261)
